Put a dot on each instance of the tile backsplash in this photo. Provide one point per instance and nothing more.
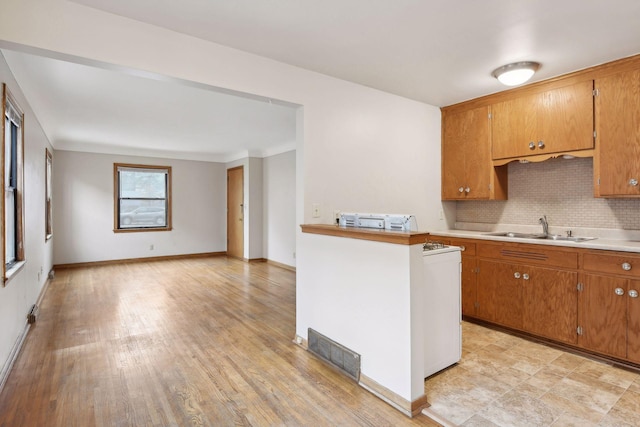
(561, 189)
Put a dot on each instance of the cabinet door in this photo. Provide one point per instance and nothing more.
(499, 294)
(551, 303)
(513, 127)
(565, 119)
(469, 296)
(603, 315)
(617, 116)
(633, 316)
(466, 162)
(555, 121)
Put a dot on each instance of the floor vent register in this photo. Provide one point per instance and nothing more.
(337, 355)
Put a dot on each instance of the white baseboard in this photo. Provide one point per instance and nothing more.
(6, 369)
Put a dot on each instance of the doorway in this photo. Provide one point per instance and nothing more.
(235, 212)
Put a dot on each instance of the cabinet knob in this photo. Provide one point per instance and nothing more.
(619, 291)
(467, 190)
(633, 293)
(462, 248)
(532, 145)
(633, 182)
(525, 276)
(540, 144)
(461, 190)
(516, 275)
(626, 266)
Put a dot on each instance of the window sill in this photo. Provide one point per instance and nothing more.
(137, 230)
(14, 270)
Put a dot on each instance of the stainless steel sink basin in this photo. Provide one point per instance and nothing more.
(540, 236)
(568, 238)
(517, 235)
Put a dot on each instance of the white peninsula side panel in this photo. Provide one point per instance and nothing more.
(365, 295)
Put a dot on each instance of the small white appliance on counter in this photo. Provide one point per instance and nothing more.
(442, 307)
(379, 221)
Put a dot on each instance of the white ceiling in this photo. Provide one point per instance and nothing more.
(436, 51)
(84, 108)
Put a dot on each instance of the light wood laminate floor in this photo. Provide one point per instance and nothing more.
(197, 342)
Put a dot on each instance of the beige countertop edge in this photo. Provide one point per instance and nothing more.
(600, 243)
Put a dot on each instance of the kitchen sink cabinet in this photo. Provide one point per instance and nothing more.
(559, 120)
(609, 320)
(617, 122)
(467, 171)
(538, 300)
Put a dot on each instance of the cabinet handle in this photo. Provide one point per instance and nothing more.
(633, 293)
(540, 144)
(516, 275)
(532, 145)
(525, 276)
(462, 248)
(626, 266)
(633, 182)
(619, 291)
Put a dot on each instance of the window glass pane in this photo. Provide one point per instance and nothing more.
(143, 213)
(10, 226)
(142, 185)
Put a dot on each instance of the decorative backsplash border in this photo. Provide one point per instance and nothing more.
(561, 189)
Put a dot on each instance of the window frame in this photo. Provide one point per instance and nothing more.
(11, 107)
(116, 199)
(48, 195)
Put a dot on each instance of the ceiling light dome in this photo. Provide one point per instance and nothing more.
(516, 73)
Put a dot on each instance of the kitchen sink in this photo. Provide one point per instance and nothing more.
(540, 236)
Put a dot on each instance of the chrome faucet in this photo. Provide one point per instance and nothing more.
(545, 225)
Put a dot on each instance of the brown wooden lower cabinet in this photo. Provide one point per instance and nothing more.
(603, 315)
(550, 307)
(581, 297)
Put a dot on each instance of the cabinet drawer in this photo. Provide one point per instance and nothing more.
(618, 263)
(529, 254)
(467, 247)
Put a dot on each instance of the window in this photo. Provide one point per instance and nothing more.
(48, 228)
(12, 178)
(142, 197)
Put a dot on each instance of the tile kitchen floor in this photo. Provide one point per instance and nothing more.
(507, 381)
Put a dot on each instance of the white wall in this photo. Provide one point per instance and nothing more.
(280, 226)
(358, 149)
(83, 210)
(23, 289)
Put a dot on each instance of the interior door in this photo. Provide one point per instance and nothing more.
(235, 212)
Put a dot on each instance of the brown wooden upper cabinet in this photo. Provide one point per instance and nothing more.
(617, 155)
(555, 121)
(467, 171)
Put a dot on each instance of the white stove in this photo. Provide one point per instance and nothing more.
(442, 306)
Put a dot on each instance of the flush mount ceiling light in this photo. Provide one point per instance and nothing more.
(516, 73)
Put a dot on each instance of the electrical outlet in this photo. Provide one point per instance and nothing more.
(441, 214)
(151, 247)
(315, 210)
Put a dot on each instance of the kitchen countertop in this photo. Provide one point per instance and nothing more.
(373, 234)
(610, 240)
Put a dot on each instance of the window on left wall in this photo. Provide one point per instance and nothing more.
(12, 178)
